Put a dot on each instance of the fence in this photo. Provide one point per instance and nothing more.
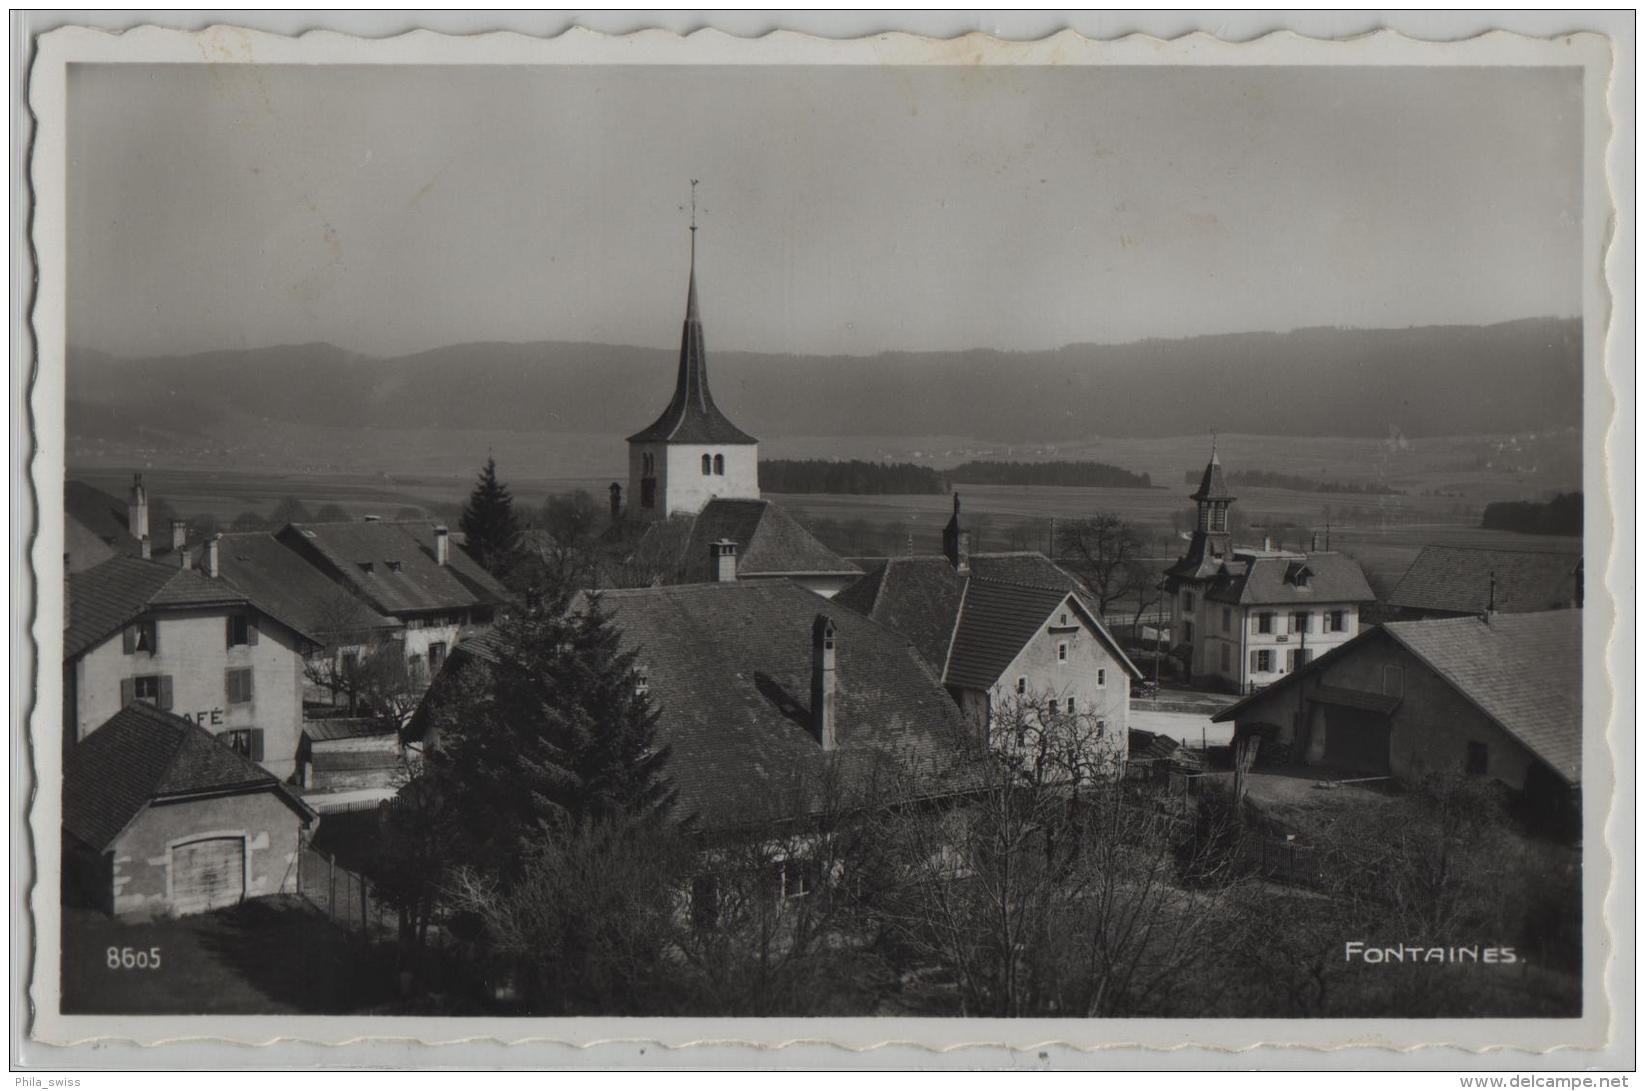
(343, 896)
(1286, 861)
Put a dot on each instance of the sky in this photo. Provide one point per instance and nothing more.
(841, 210)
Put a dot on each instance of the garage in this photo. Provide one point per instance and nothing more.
(1356, 739)
(208, 874)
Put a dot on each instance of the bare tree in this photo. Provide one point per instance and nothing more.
(1106, 552)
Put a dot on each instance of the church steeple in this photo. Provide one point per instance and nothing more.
(691, 453)
(692, 416)
(1211, 544)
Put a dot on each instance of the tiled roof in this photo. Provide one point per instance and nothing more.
(104, 599)
(1263, 581)
(344, 727)
(692, 416)
(104, 516)
(931, 604)
(419, 584)
(769, 543)
(1457, 579)
(996, 620)
(274, 574)
(143, 754)
(1522, 670)
(729, 667)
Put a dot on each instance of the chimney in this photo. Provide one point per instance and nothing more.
(1313, 546)
(1490, 602)
(956, 542)
(179, 534)
(184, 560)
(616, 501)
(145, 549)
(137, 508)
(1267, 543)
(822, 681)
(442, 545)
(723, 556)
(213, 551)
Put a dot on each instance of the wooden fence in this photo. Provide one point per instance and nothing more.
(342, 895)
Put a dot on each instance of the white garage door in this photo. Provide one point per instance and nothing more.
(208, 874)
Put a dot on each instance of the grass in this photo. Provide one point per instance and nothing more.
(267, 956)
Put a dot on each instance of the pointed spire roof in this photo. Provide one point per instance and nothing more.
(692, 416)
(1211, 485)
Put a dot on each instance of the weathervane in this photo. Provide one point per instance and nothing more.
(694, 204)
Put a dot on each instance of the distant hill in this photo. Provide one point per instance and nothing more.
(1435, 380)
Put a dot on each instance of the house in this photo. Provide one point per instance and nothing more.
(345, 761)
(1496, 696)
(345, 627)
(765, 691)
(159, 816)
(1465, 581)
(1002, 630)
(184, 641)
(406, 571)
(1245, 618)
(692, 453)
(97, 526)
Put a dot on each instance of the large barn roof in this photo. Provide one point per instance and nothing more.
(1458, 580)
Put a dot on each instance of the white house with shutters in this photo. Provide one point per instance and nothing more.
(184, 641)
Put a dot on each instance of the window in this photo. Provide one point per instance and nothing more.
(1187, 600)
(1070, 706)
(798, 877)
(1393, 681)
(648, 492)
(394, 566)
(1299, 621)
(708, 466)
(350, 663)
(1227, 659)
(367, 567)
(436, 656)
(648, 465)
(1062, 618)
(642, 683)
(237, 681)
(144, 636)
(1479, 759)
(1337, 621)
(1022, 686)
(1265, 622)
(1102, 728)
(719, 465)
(155, 689)
(1188, 632)
(1298, 658)
(247, 741)
(1062, 651)
(1264, 660)
(242, 630)
(1102, 676)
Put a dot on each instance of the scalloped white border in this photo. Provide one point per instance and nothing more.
(1517, 1041)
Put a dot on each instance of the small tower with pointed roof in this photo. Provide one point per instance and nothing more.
(692, 453)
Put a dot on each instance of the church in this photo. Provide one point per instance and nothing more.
(1245, 618)
(694, 489)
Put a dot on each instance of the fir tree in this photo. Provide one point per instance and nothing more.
(548, 736)
(488, 521)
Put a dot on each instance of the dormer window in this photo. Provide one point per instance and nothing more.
(394, 566)
(367, 567)
(642, 683)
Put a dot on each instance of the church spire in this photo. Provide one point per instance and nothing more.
(692, 416)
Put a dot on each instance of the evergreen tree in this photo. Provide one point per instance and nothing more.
(550, 735)
(488, 521)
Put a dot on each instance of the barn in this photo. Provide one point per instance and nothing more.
(162, 817)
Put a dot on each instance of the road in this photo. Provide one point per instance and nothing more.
(1183, 726)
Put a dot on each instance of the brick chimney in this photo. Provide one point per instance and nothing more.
(723, 556)
(956, 542)
(179, 534)
(616, 501)
(822, 681)
(442, 546)
(213, 555)
(137, 508)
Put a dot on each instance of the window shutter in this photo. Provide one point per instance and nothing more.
(128, 690)
(228, 686)
(128, 639)
(251, 630)
(165, 692)
(245, 684)
(1254, 662)
(256, 744)
(228, 631)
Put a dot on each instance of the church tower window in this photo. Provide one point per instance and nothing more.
(708, 467)
(719, 465)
